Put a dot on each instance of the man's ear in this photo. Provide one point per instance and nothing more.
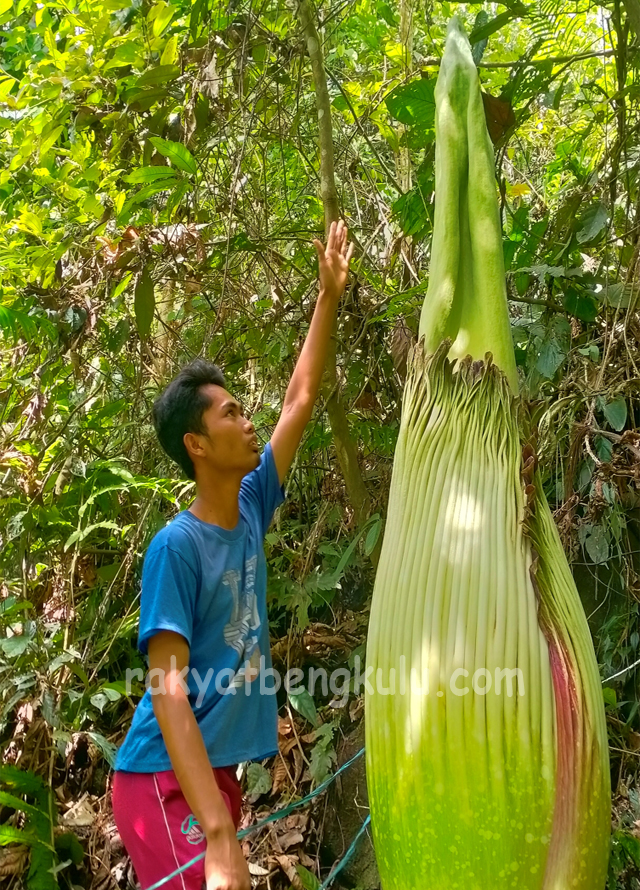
(193, 445)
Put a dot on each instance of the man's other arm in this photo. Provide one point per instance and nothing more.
(225, 865)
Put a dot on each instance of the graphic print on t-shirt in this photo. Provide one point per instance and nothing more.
(244, 618)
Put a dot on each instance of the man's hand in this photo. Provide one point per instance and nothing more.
(225, 867)
(333, 261)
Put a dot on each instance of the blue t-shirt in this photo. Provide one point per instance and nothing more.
(209, 584)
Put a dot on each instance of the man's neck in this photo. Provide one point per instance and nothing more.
(217, 501)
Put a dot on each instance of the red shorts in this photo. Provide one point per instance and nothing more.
(158, 829)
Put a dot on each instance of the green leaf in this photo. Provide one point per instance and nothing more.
(307, 878)
(23, 781)
(99, 701)
(414, 104)
(550, 358)
(592, 222)
(198, 11)
(170, 52)
(597, 545)
(40, 876)
(372, 536)
(591, 352)
(119, 336)
(478, 46)
(17, 322)
(11, 835)
(629, 844)
(604, 448)
(13, 647)
(320, 762)
(106, 748)
(305, 705)
(414, 213)
(483, 30)
(616, 414)
(81, 533)
(142, 99)
(332, 579)
(49, 140)
(144, 302)
(540, 271)
(129, 53)
(146, 192)
(10, 800)
(582, 304)
(93, 206)
(121, 285)
(165, 12)
(258, 779)
(30, 223)
(157, 75)
(175, 198)
(180, 156)
(69, 845)
(111, 692)
(150, 174)
(619, 295)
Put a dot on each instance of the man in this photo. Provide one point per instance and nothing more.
(203, 617)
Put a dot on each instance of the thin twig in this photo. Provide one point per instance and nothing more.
(555, 60)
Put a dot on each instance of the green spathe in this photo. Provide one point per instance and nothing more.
(488, 766)
(467, 298)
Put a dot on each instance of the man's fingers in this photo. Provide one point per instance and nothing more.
(345, 243)
(332, 236)
(350, 252)
(319, 246)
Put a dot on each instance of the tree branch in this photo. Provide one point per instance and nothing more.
(345, 447)
(555, 60)
(394, 182)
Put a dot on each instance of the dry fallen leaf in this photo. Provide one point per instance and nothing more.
(288, 745)
(257, 870)
(299, 762)
(280, 775)
(356, 708)
(634, 741)
(296, 820)
(13, 860)
(287, 864)
(307, 861)
(81, 815)
(290, 839)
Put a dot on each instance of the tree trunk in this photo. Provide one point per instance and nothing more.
(406, 39)
(344, 444)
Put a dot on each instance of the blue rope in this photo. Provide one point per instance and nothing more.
(280, 814)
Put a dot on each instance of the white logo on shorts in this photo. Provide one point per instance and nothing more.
(191, 828)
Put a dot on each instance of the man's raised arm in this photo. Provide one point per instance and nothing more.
(333, 269)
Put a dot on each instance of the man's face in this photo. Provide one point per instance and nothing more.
(230, 444)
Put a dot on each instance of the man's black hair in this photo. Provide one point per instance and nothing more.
(179, 409)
